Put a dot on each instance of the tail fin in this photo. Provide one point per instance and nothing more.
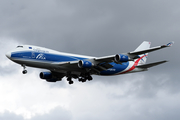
(145, 45)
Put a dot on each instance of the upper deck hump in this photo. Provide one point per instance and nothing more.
(50, 51)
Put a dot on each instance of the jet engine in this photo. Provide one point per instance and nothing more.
(85, 64)
(45, 75)
(121, 58)
(48, 77)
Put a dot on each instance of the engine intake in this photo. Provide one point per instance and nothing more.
(121, 58)
(85, 64)
(45, 75)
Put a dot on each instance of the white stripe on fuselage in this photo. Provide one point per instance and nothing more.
(131, 63)
(50, 51)
(42, 63)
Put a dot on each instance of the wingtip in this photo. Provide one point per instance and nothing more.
(166, 61)
(170, 44)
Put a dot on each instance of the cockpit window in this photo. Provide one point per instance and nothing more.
(19, 46)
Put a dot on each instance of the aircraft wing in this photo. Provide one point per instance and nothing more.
(132, 55)
(65, 63)
(151, 64)
(103, 63)
(68, 64)
(150, 49)
(105, 58)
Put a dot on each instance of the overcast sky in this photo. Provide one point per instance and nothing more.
(95, 28)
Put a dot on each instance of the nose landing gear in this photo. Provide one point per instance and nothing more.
(24, 69)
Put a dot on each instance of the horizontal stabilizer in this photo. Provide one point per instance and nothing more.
(151, 64)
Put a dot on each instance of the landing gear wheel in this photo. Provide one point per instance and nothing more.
(80, 79)
(89, 78)
(84, 80)
(24, 67)
(69, 79)
(71, 82)
(24, 71)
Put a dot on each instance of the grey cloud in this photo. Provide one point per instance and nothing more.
(59, 84)
(57, 113)
(144, 85)
(10, 116)
(8, 70)
(101, 24)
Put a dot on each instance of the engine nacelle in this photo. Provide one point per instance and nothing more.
(45, 75)
(48, 76)
(52, 80)
(121, 58)
(85, 64)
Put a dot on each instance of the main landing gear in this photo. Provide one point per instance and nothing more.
(82, 78)
(70, 80)
(24, 69)
(85, 77)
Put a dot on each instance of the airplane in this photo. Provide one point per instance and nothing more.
(73, 66)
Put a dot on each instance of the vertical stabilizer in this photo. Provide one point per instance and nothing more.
(145, 45)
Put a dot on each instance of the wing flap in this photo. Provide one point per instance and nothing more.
(151, 64)
(107, 65)
(104, 66)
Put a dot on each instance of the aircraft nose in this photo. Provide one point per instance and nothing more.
(8, 55)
